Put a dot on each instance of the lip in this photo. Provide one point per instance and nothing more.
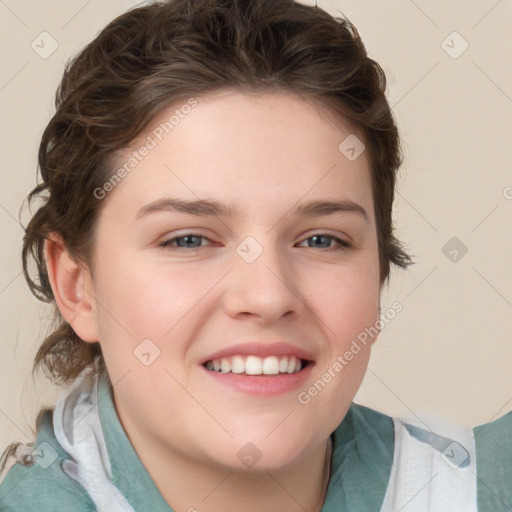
(261, 350)
(262, 385)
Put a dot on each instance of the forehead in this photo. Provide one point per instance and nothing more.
(236, 113)
(243, 145)
(253, 107)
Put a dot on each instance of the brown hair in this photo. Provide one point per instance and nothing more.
(155, 55)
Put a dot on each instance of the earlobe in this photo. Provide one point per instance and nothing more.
(72, 288)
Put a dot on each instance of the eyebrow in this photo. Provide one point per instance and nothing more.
(207, 207)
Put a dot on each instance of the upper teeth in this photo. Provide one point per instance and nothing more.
(254, 365)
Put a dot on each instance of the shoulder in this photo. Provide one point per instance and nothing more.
(494, 430)
(44, 486)
(493, 443)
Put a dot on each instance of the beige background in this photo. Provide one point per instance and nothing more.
(448, 353)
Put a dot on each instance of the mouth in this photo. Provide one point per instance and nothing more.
(252, 365)
(259, 369)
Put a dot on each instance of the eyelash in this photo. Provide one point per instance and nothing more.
(342, 244)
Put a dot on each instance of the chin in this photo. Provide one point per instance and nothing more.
(245, 455)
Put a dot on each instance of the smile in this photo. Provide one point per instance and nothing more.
(254, 365)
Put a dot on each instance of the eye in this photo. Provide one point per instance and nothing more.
(193, 241)
(320, 239)
(187, 241)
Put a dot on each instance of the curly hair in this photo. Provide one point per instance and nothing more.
(151, 57)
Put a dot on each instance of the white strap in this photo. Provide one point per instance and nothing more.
(78, 430)
(432, 472)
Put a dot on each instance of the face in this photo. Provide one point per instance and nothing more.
(252, 281)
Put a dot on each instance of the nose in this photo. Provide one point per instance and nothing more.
(266, 288)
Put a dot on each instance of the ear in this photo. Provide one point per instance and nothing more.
(72, 288)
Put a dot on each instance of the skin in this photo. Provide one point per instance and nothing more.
(263, 153)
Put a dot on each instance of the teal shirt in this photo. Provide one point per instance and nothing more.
(361, 463)
(493, 444)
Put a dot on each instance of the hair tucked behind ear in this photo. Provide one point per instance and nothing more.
(63, 354)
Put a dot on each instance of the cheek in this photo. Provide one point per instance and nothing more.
(346, 298)
(138, 300)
